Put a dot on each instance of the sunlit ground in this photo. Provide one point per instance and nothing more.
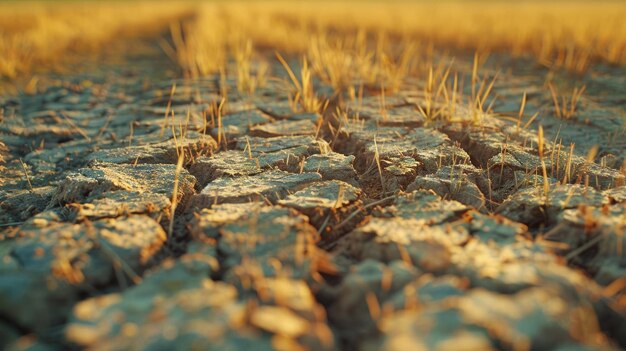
(376, 175)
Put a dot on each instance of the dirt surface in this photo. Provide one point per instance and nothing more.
(131, 219)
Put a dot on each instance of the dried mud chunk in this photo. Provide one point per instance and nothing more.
(49, 160)
(122, 203)
(308, 116)
(529, 206)
(286, 153)
(235, 163)
(293, 116)
(277, 109)
(354, 138)
(616, 195)
(524, 318)
(425, 246)
(402, 168)
(76, 187)
(406, 116)
(457, 183)
(425, 290)
(299, 144)
(177, 306)
(593, 238)
(208, 221)
(91, 183)
(230, 163)
(294, 294)
(513, 169)
(427, 146)
(495, 228)
(505, 150)
(331, 166)
(274, 241)
(327, 204)
(394, 174)
(423, 205)
(366, 283)
(284, 128)
(599, 176)
(507, 181)
(488, 140)
(237, 124)
(595, 175)
(18, 206)
(49, 264)
(577, 227)
(515, 158)
(164, 311)
(304, 320)
(193, 145)
(270, 185)
(434, 158)
(390, 101)
(45, 130)
(133, 239)
(373, 291)
(514, 267)
(485, 320)
(428, 329)
(186, 92)
(323, 196)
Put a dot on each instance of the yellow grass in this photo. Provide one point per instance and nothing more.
(376, 43)
(565, 106)
(34, 34)
(562, 34)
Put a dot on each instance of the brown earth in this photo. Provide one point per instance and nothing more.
(292, 230)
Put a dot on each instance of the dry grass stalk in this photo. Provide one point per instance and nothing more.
(179, 167)
(565, 107)
(546, 183)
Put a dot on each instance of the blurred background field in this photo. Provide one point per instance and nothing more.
(573, 35)
(37, 35)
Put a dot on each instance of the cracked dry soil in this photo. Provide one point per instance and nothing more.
(300, 231)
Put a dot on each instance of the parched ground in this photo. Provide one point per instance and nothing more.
(376, 230)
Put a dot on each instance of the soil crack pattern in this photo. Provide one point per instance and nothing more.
(140, 210)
